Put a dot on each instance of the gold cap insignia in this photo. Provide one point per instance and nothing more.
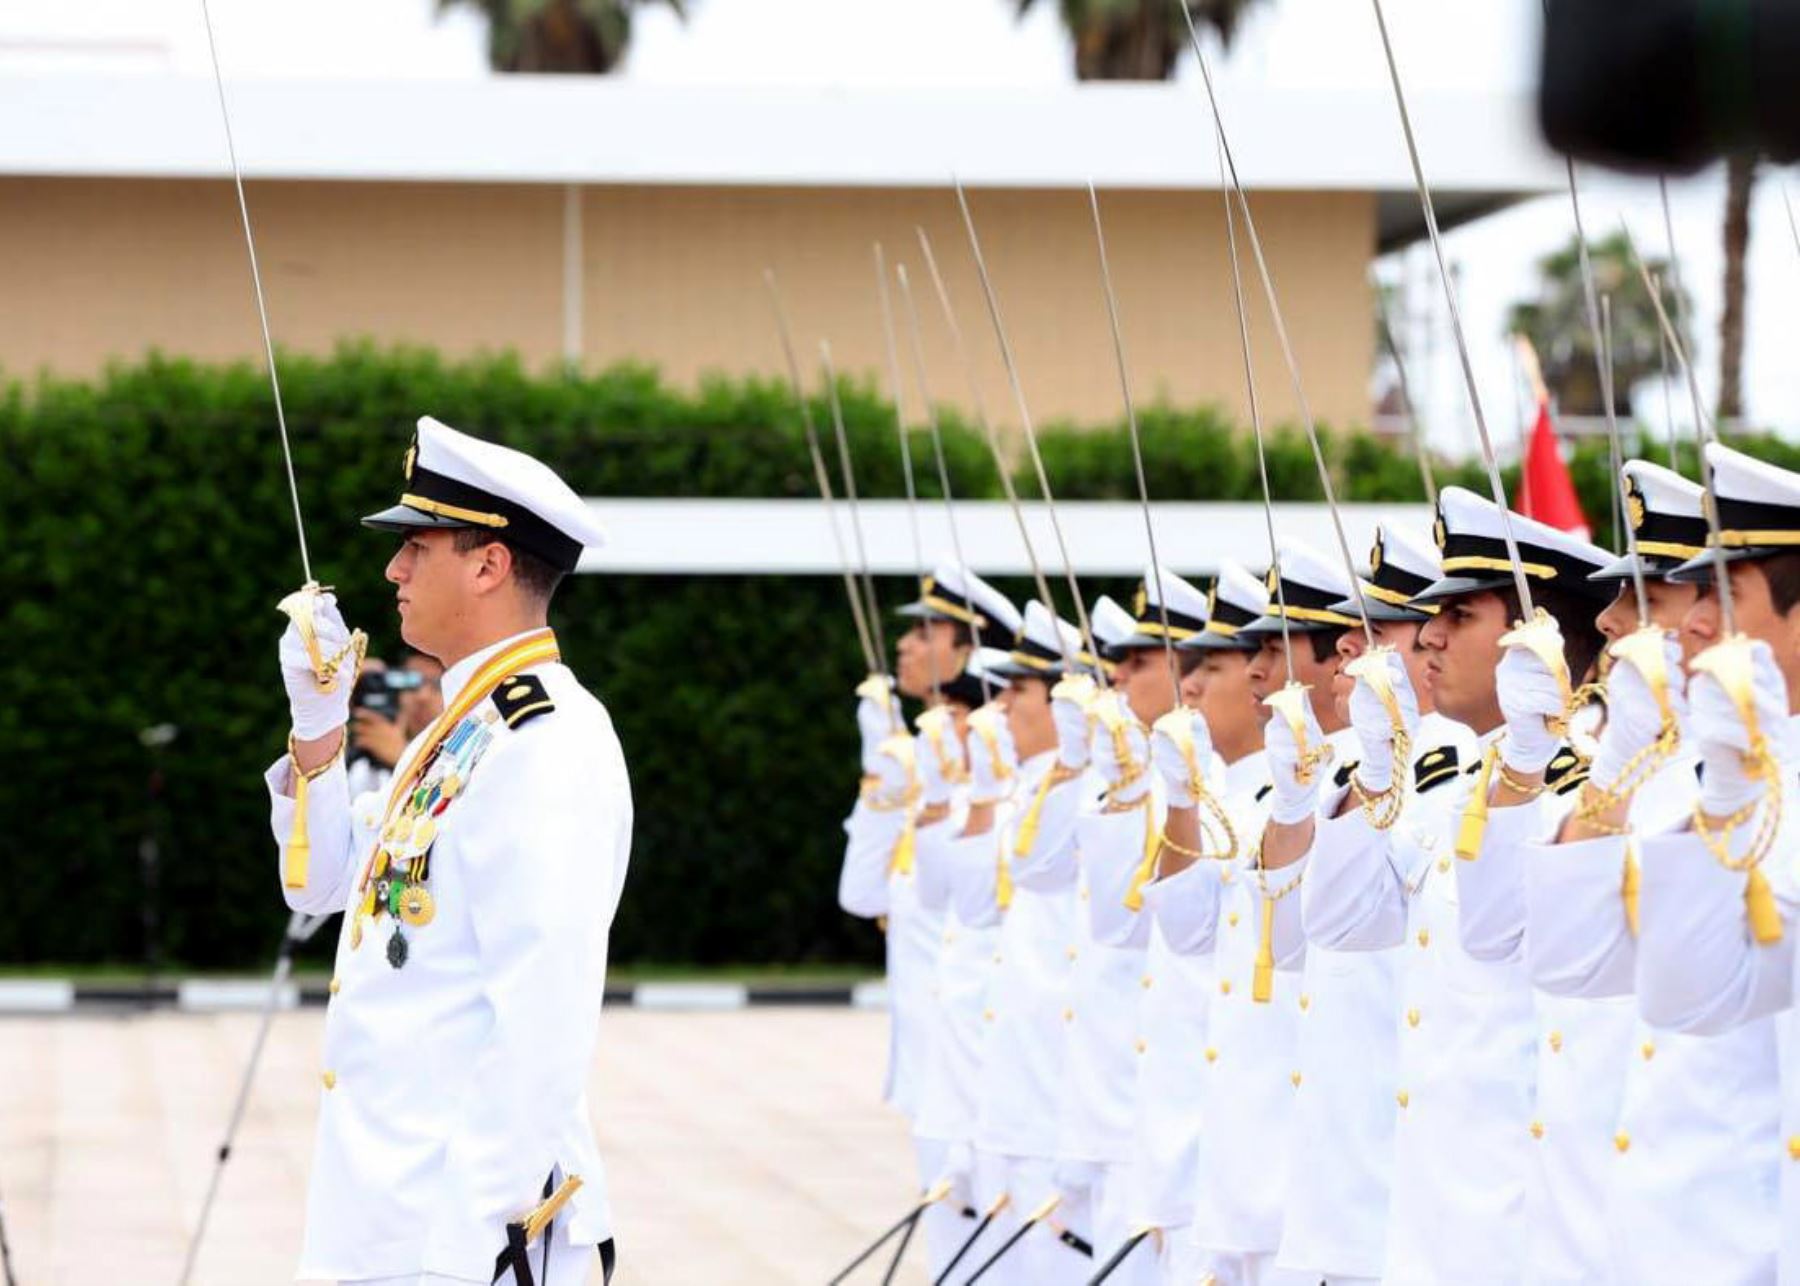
(412, 454)
(1272, 580)
(1375, 556)
(1438, 533)
(1634, 502)
(1142, 600)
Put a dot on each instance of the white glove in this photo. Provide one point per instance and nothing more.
(936, 744)
(1069, 702)
(1529, 694)
(1374, 725)
(314, 713)
(1170, 757)
(1294, 800)
(894, 768)
(877, 719)
(993, 762)
(1634, 720)
(1120, 749)
(1722, 738)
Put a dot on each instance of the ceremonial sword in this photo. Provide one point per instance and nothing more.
(987, 1219)
(993, 442)
(1601, 328)
(871, 657)
(1137, 450)
(1662, 187)
(302, 605)
(1703, 434)
(1407, 405)
(1119, 1256)
(1527, 608)
(850, 499)
(1031, 443)
(1030, 1221)
(897, 395)
(917, 348)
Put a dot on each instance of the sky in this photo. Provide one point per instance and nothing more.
(923, 43)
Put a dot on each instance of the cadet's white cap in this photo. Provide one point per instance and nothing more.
(1759, 512)
(1111, 624)
(954, 593)
(456, 481)
(1042, 646)
(1471, 536)
(1236, 599)
(1401, 564)
(1186, 609)
(1310, 585)
(1668, 525)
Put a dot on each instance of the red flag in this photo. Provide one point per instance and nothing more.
(1546, 492)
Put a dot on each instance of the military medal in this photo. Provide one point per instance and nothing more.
(397, 949)
(417, 907)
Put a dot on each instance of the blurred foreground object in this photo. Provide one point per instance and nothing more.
(1670, 85)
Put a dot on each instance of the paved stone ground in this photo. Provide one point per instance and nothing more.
(743, 1147)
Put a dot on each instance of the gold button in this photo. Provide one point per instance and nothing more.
(1225, 876)
(1146, 982)
(1305, 1001)
(329, 1078)
(1556, 1042)
(1794, 1148)
(1295, 1078)
(1648, 1050)
(1443, 866)
(1084, 895)
(1537, 1129)
(996, 957)
(1412, 1018)
(1141, 1047)
(1622, 1141)
(949, 936)
(1224, 986)
(1072, 953)
(335, 985)
(1424, 937)
(1403, 1098)
(987, 1016)
(1212, 1054)
(1068, 1015)
(1231, 920)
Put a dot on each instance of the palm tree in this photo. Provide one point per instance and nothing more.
(1740, 179)
(557, 35)
(1556, 323)
(1136, 39)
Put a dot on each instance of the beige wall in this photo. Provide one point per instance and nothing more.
(103, 268)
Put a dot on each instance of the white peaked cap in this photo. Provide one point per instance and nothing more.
(1042, 645)
(1187, 609)
(1111, 624)
(1759, 511)
(1236, 600)
(1401, 563)
(952, 592)
(1471, 537)
(1311, 587)
(454, 480)
(1668, 525)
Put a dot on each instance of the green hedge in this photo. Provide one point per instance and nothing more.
(148, 536)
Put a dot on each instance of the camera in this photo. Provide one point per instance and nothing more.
(379, 692)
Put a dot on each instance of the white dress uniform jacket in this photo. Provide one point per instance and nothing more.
(873, 884)
(1461, 1159)
(1340, 1164)
(1690, 1192)
(1699, 970)
(1172, 1024)
(455, 1085)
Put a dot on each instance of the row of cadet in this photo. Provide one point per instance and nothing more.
(1398, 930)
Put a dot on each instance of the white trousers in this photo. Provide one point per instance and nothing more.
(1040, 1258)
(569, 1266)
(1252, 1270)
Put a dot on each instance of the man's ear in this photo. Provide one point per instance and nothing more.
(496, 565)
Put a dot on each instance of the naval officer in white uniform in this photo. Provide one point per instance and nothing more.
(477, 896)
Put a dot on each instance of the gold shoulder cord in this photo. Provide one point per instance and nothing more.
(1381, 808)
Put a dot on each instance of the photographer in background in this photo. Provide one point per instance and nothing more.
(388, 709)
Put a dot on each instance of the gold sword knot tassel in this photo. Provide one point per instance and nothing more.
(301, 607)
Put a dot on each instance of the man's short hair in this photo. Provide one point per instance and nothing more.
(1324, 643)
(537, 578)
(1783, 574)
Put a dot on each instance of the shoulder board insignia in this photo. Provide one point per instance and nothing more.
(1565, 772)
(1266, 788)
(1341, 777)
(1434, 767)
(522, 698)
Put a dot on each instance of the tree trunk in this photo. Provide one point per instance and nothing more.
(1740, 178)
(1134, 46)
(559, 38)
